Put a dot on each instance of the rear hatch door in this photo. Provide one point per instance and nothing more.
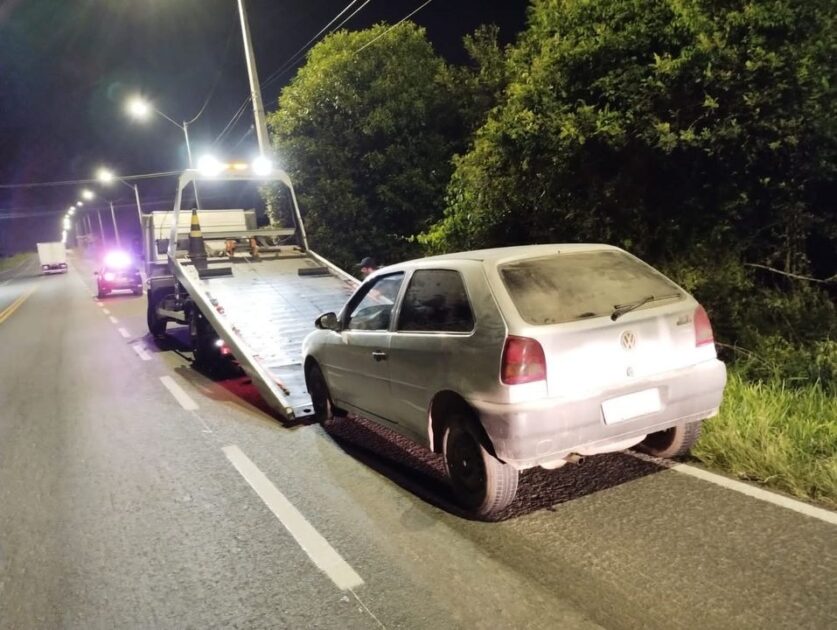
(604, 318)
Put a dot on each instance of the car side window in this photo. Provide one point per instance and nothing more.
(374, 310)
(436, 301)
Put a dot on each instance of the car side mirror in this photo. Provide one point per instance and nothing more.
(327, 321)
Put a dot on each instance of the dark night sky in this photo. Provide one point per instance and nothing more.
(66, 67)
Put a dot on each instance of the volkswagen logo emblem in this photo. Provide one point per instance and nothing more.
(628, 340)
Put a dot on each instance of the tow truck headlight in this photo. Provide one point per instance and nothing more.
(109, 276)
(209, 166)
(262, 166)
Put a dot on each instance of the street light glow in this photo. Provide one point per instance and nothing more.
(71, 211)
(79, 204)
(105, 176)
(66, 223)
(262, 166)
(138, 108)
(87, 194)
(209, 166)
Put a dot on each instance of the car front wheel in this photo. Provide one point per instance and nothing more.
(320, 396)
(482, 483)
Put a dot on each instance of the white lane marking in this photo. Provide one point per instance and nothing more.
(141, 352)
(744, 488)
(113, 320)
(312, 542)
(105, 311)
(179, 395)
(124, 333)
(99, 304)
(758, 493)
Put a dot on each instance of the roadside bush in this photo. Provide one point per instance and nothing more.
(780, 436)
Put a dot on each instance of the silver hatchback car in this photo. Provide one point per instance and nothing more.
(509, 358)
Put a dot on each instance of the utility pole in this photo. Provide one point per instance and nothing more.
(115, 227)
(255, 90)
(101, 227)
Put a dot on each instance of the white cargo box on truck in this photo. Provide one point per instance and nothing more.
(53, 257)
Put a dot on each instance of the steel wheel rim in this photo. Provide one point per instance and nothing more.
(465, 463)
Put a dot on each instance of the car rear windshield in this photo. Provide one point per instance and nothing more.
(568, 287)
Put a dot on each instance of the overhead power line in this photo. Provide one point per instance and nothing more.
(288, 64)
(402, 20)
(218, 74)
(80, 182)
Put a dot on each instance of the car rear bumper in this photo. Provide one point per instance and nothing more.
(120, 283)
(544, 432)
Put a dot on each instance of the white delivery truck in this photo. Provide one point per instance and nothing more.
(254, 292)
(53, 257)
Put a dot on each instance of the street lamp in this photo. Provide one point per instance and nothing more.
(140, 109)
(87, 194)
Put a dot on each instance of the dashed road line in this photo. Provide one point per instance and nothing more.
(124, 333)
(141, 352)
(105, 311)
(744, 488)
(179, 394)
(100, 305)
(113, 320)
(312, 542)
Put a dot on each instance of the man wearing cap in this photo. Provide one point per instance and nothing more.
(367, 266)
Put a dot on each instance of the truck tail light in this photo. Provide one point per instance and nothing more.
(523, 361)
(703, 328)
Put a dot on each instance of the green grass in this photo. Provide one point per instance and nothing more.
(781, 437)
(12, 261)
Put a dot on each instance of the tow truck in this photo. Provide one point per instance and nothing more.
(253, 292)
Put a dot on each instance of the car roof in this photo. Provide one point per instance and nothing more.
(498, 255)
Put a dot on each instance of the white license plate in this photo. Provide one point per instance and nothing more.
(631, 406)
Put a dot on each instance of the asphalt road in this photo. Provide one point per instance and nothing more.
(133, 495)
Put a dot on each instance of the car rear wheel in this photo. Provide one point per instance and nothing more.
(673, 442)
(482, 483)
(101, 292)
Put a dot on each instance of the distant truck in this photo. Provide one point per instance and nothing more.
(53, 257)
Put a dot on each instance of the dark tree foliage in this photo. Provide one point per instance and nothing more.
(367, 136)
(662, 126)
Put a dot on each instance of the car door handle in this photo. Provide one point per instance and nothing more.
(379, 356)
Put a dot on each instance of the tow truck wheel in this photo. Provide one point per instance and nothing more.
(483, 484)
(205, 354)
(156, 324)
(101, 293)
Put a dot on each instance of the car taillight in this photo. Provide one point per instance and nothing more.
(703, 328)
(523, 361)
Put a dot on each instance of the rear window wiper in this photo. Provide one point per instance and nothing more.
(621, 309)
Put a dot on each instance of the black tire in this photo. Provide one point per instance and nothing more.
(156, 324)
(205, 354)
(482, 483)
(320, 396)
(673, 442)
(101, 292)
(137, 291)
